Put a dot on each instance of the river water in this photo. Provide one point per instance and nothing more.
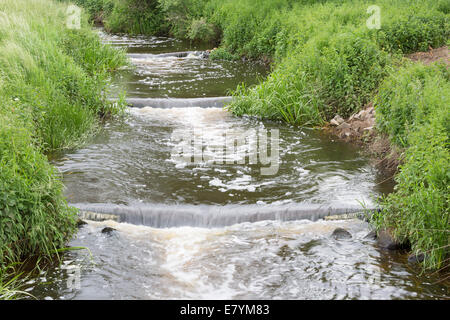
(198, 222)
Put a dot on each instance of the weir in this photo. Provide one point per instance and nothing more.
(167, 103)
(168, 216)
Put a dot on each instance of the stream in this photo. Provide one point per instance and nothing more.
(197, 222)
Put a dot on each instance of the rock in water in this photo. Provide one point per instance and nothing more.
(340, 233)
(80, 223)
(108, 230)
(372, 235)
(386, 241)
(416, 258)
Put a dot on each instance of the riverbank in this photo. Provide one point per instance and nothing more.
(360, 128)
(52, 85)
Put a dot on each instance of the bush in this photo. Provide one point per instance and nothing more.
(409, 97)
(223, 54)
(35, 218)
(136, 17)
(200, 30)
(444, 6)
(412, 106)
(313, 85)
(415, 33)
(418, 210)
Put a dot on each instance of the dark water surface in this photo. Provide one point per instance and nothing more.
(212, 230)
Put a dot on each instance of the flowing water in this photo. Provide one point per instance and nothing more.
(219, 227)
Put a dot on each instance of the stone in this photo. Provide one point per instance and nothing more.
(343, 125)
(334, 123)
(386, 241)
(80, 223)
(352, 117)
(362, 115)
(108, 230)
(416, 258)
(341, 233)
(337, 120)
(372, 235)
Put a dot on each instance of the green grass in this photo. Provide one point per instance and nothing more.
(12, 283)
(127, 16)
(412, 108)
(53, 82)
(338, 75)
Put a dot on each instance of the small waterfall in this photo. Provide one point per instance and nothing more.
(216, 102)
(209, 216)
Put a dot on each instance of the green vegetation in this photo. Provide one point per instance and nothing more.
(412, 108)
(52, 96)
(326, 58)
(338, 76)
(11, 283)
(127, 16)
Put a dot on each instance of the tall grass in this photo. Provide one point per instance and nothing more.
(11, 283)
(412, 107)
(328, 61)
(52, 95)
(127, 16)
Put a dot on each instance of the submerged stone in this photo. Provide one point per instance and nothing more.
(341, 233)
(108, 230)
(372, 235)
(80, 223)
(416, 258)
(386, 241)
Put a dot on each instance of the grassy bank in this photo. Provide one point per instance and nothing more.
(412, 107)
(52, 96)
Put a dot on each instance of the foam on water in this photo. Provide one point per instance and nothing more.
(261, 260)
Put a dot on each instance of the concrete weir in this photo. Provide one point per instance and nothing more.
(207, 216)
(214, 102)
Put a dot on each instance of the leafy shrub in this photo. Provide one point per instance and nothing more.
(201, 30)
(418, 210)
(223, 54)
(136, 17)
(408, 98)
(415, 33)
(321, 80)
(185, 18)
(34, 217)
(444, 6)
(412, 106)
